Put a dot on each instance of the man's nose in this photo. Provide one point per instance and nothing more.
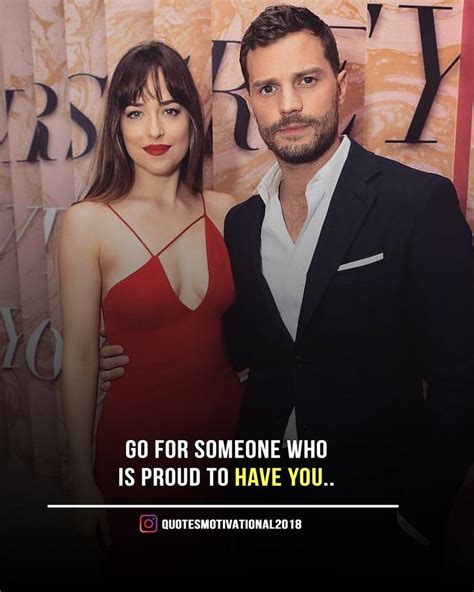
(290, 100)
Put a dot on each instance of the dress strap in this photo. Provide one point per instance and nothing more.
(180, 234)
(127, 224)
(203, 215)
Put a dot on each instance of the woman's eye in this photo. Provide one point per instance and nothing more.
(267, 89)
(134, 114)
(171, 111)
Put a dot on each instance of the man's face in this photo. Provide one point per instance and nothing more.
(295, 97)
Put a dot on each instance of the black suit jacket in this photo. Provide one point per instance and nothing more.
(367, 338)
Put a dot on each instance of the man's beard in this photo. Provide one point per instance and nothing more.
(325, 132)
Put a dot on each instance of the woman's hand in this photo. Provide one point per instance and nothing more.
(91, 523)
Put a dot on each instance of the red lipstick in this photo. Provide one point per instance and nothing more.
(157, 149)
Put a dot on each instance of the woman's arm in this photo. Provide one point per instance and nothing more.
(80, 290)
(80, 285)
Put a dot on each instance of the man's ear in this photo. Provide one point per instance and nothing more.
(342, 85)
(248, 100)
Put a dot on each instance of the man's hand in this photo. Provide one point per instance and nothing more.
(111, 362)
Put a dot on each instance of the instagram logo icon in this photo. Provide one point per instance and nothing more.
(148, 523)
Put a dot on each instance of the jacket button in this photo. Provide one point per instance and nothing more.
(299, 361)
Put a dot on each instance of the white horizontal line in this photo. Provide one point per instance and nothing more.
(228, 506)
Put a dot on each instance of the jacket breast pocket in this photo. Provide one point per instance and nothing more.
(367, 269)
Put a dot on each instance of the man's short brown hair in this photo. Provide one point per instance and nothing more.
(275, 22)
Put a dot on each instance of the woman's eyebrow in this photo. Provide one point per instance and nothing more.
(142, 104)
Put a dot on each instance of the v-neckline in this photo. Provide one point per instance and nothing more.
(163, 270)
(157, 257)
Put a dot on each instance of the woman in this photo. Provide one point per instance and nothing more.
(146, 246)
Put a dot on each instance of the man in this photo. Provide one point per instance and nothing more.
(355, 281)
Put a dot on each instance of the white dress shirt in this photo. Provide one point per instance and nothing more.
(285, 263)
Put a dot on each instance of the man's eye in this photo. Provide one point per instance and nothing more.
(267, 89)
(134, 114)
(308, 79)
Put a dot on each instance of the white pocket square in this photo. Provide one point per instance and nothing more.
(360, 262)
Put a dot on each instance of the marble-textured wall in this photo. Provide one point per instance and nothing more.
(55, 59)
(396, 82)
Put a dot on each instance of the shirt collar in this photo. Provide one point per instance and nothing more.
(327, 175)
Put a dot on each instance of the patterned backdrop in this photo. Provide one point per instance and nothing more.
(411, 77)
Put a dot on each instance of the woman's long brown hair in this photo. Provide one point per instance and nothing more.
(113, 171)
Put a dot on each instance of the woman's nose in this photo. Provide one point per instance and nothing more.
(155, 127)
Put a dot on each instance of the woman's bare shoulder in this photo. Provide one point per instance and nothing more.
(84, 218)
(219, 200)
(86, 209)
(218, 204)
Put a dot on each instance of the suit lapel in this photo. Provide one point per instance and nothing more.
(266, 308)
(350, 203)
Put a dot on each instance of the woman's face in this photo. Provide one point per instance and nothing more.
(156, 133)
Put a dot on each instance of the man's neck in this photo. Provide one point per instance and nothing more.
(295, 177)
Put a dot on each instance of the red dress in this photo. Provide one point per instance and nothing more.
(179, 383)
